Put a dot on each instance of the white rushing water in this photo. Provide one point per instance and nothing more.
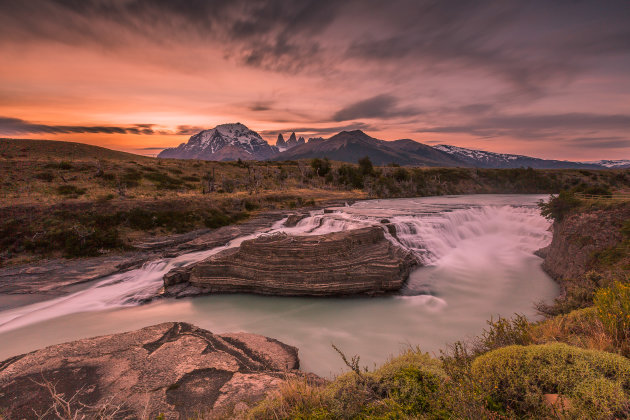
(479, 263)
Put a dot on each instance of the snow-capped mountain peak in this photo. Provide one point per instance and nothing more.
(223, 142)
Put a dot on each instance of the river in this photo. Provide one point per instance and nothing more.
(479, 263)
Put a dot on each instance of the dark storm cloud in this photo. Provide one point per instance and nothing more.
(525, 43)
(380, 106)
(612, 142)
(536, 126)
(16, 126)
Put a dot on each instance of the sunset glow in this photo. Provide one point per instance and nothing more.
(545, 79)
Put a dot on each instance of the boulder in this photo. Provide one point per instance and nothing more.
(293, 219)
(173, 369)
(358, 261)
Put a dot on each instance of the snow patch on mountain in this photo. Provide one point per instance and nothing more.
(612, 164)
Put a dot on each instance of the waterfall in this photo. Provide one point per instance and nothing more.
(457, 235)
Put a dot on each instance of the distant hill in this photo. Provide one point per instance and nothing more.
(47, 149)
(222, 143)
(483, 159)
(349, 146)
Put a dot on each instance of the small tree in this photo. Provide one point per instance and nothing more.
(558, 206)
(321, 166)
(365, 166)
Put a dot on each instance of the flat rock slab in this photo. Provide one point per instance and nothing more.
(174, 369)
(358, 261)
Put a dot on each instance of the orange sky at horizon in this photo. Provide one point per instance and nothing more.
(96, 72)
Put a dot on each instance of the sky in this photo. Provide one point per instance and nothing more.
(543, 78)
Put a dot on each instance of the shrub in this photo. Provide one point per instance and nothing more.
(216, 218)
(321, 166)
(401, 174)
(365, 166)
(350, 176)
(613, 308)
(45, 176)
(63, 165)
(164, 181)
(410, 385)
(250, 205)
(228, 185)
(581, 327)
(516, 378)
(70, 190)
(558, 206)
(503, 332)
(578, 294)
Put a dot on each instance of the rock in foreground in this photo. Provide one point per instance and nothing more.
(359, 261)
(175, 369)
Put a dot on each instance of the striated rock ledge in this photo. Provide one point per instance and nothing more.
(174, 368)
(359, 261)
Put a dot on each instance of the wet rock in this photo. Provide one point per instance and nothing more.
(293, 219)
(359, 261)
(174, 369)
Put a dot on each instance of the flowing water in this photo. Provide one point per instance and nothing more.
(479, 263)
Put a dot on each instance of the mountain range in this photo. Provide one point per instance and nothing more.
(235, 141)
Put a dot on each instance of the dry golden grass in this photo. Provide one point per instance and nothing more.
(32, 171)
(581, 328)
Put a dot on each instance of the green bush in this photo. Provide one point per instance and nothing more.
(45, 176)
(164, 181)
(63, 165)
(558, 206)
(503, 332)
(350, 176)
(70, 190)
(365, 166)
(321, 166)
(516, 378)
(613, 308)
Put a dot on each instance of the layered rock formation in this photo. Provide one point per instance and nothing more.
(174, 369)
(359, 261)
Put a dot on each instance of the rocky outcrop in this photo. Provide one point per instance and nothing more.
(280, 143)
(359, 261)
(580, 237)
(174, 369)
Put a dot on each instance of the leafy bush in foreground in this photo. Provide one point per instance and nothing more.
(613, 308)
(595, 383)
(410, 385)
